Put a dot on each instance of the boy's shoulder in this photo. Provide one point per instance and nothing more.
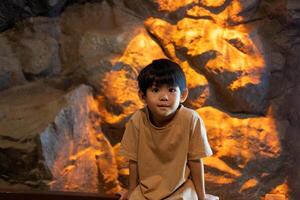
(138, 116)
(188, 112)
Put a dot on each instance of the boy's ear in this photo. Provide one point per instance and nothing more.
(142, 96)
(184, 95)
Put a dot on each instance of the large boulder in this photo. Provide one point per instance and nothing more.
(248, 155)
(56, 141)
(94, 34)
(227, 57)
(39, 56)
(25, 112)
(32, 48)
(37, 47)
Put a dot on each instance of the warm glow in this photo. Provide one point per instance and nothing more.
(249, 184)
(231, 55)
(121, 161)
(172, 5)
(105, 44)
(221, 165)
(229, 14)
(119, 90)
(87, 155)
(218, 179)
(120, 86)
(140, 51)
(282, 189)
(215, 3)
(229, 47)
(225, 135)
(243, 81)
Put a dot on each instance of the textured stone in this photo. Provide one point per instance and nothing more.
(142, 8)
(39, 56)
(10, 67)
(119, 86)
(25, 112)
(78, 155)
(104, 44)
(293, 11)
(94, 33)
(247, 153)
(200, 92)
(65, 146)
(274, 197)
(228, 57)
(13, 11)
(94, 38)
(35, 48)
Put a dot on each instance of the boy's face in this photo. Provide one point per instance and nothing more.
(164, 100)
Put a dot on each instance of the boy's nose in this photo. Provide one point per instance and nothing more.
(164, 97)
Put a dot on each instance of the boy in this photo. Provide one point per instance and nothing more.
(165, 141)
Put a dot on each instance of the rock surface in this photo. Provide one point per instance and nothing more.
(25, 113)
(57, 142)
(13, 11)
(10, 70)
(247, 154)
(242, 65)
(232, 62)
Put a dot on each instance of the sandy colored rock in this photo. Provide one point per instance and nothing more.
(94, 33)
(56, 142)
(25, 112)
(39, 56)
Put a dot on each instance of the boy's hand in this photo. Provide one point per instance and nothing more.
(211, 197)
(123, 194)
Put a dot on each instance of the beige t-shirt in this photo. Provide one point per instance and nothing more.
(162, 154)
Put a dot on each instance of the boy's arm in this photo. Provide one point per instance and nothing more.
(133, 176)
(197, 172)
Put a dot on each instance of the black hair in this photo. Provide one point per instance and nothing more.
(159, 72)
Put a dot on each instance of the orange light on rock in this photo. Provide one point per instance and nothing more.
(140, 51)
(209, 177)
(249, 184)
(242, 140)
(172, 5)
(281, 191)
(230, 48)
(210, 3)
(119, 89)
(221, 166)
(233, 61)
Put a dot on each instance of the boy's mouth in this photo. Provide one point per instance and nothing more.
(163, 105)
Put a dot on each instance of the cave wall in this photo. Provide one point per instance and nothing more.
(68, 85)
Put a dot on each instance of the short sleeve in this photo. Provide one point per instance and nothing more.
(198, 144)
(129, 142)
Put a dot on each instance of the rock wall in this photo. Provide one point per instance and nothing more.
(51, 139)
(242, 65)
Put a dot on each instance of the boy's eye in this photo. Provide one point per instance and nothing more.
(155, 89)
(172, 90)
